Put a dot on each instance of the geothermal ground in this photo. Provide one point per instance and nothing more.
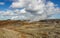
(25, 29)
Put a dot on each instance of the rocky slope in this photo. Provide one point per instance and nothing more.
(24, 29)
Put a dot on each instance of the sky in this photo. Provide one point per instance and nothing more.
(33, 10)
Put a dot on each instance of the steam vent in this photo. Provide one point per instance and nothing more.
(24, 29)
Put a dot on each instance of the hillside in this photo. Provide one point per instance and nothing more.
(24, 29)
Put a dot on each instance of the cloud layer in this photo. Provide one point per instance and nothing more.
(33, 10)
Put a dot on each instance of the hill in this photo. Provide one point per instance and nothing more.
(24, 29)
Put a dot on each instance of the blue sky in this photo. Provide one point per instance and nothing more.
(56, 2)
(7, 3)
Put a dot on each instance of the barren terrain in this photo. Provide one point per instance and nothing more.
(24, 29)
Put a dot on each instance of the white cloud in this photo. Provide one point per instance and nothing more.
(51, 8)
(23, 11)
(19, 4)
(7, 12)
(20, 11)
(34, 10)
(15, 14)
(2, 3)
(22, 17)
(31, 5)
(16, 5)
(14, 17)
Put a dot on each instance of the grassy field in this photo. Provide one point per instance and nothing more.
(24, 29)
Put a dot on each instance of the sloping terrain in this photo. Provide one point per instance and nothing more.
(24, 29)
